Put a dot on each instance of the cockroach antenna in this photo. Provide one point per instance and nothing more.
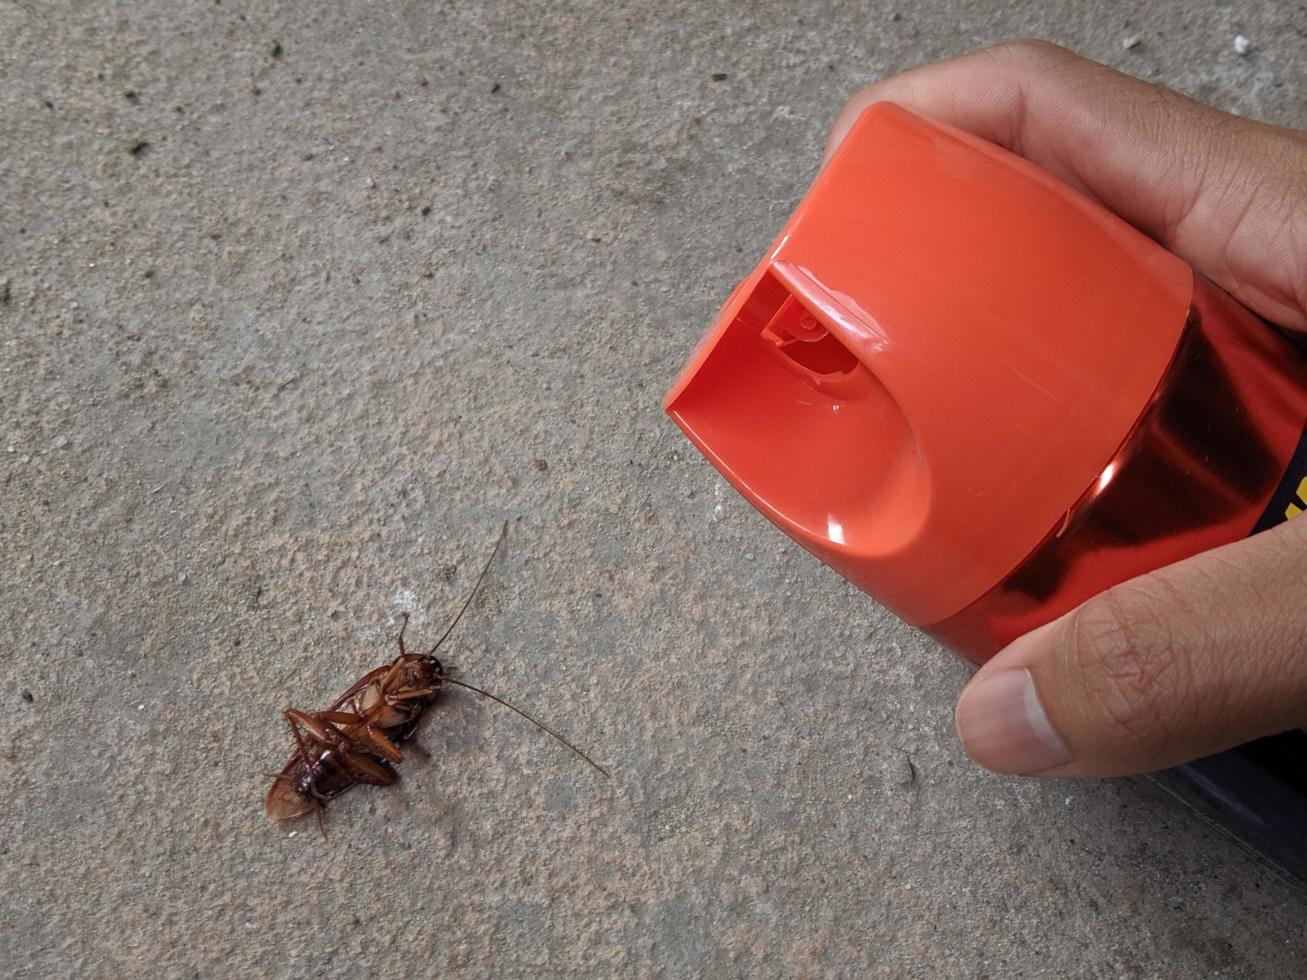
(503, 533)
(535, 721)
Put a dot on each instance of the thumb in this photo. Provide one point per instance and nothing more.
(1168, 667)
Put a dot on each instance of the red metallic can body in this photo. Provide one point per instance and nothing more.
(1200, 469)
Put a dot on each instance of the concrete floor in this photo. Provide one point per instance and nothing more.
(300, 301)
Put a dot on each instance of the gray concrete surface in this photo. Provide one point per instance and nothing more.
(299, 302)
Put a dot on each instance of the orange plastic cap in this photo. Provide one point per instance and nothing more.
(938, 357)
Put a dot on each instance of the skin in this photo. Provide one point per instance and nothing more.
(1212, 651)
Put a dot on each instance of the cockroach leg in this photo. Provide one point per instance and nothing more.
(323, 732)
(299, 738)
(396, 669)
(402, 628)
(321, 727)
(319, 801)
(412, 695)
(340, 717)
(382, 744)
(367, 771)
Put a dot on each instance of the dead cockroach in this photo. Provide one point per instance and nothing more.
(356, 741)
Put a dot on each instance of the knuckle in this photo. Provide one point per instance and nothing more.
(1031, 49)
(1122, 650)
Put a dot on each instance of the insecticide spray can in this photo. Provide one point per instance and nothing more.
(982, 398)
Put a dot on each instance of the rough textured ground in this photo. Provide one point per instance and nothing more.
(298, 302)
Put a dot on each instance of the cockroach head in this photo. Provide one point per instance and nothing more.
(432, 669)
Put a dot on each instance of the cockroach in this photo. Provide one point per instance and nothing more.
(356, 741)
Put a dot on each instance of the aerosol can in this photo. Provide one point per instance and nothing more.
(983, 398)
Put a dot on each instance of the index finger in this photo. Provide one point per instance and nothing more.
(1226, 193)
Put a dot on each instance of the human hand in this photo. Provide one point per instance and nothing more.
(1212, 651)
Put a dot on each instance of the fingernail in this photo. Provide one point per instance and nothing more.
(1003, 725)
